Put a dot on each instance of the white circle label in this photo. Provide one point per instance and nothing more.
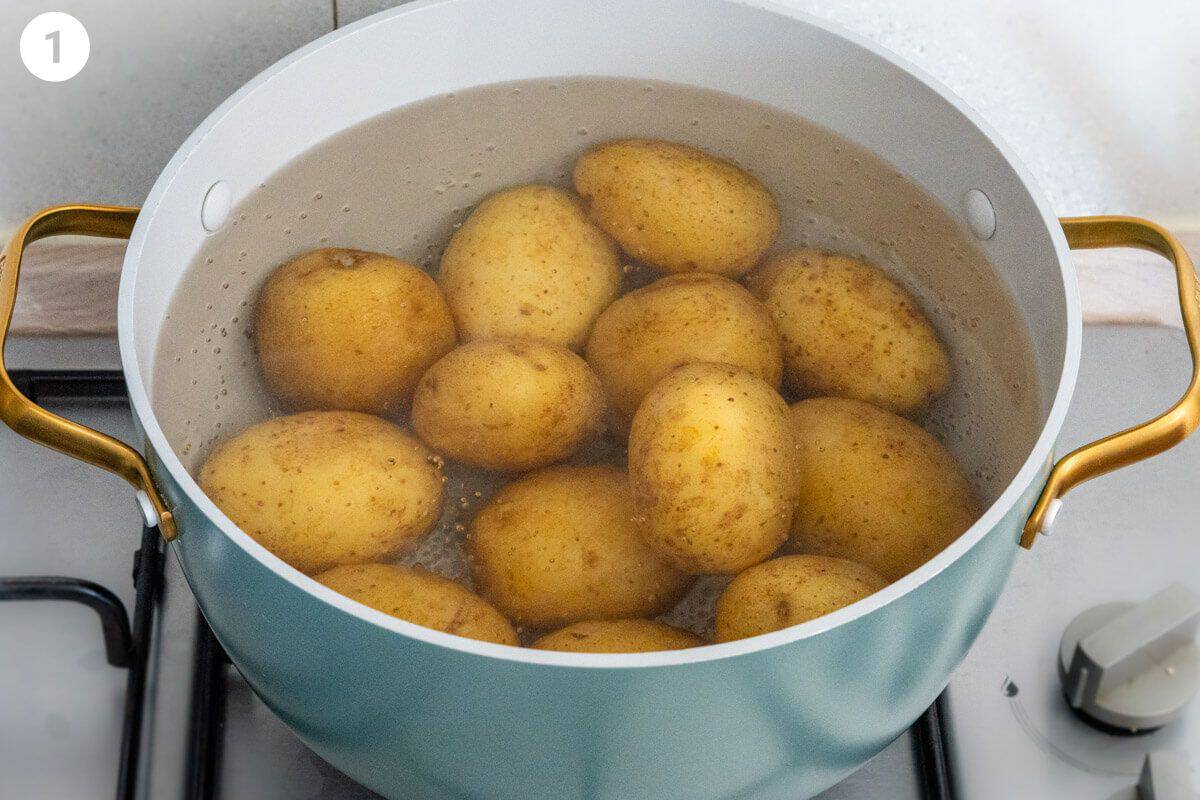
(55, 46)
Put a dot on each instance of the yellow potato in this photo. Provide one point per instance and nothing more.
(508, 405)
(875, 488)
(789, 590)
(618, 636)
(713, 468)
(850, 331)
(529, 264)
(421, 597)
(677, 320)
(561, 545)
(323, 488)
(349, 330)
(677, 207)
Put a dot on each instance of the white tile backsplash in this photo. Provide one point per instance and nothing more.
(157, 68)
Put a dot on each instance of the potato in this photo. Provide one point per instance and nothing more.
(713, 469)
(789, 590)
(561, 545)
(323, 488)
(875, 488)
(529, 264)
(676, 207)
(508, 405)
(618, 636)
(348, 330)
(421, 597)
(678, 320)
(850, 331)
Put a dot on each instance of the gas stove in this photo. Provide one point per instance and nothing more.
(112, 682)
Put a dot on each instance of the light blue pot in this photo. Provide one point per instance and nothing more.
(414, 713)
(412, 719)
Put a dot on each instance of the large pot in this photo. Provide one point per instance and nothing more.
(411, 712)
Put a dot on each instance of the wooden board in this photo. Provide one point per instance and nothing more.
(70, 287)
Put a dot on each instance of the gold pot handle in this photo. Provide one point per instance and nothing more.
(1167, 429)
(36, 423)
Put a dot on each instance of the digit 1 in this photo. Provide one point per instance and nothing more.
(53, 36)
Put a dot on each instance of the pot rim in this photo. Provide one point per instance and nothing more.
(1038, 459)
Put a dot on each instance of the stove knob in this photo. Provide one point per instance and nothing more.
(1165, 776)
(1130, 668)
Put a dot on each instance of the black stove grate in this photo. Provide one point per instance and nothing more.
(129, 644)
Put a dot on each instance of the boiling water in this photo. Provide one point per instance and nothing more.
(402, 182)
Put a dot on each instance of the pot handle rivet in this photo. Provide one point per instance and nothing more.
(980, 214)
(1051, 516)
(218, 201)
(149, 512)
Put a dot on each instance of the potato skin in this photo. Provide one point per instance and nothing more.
(713, 468)
(875, 487)
(561, 545)
(679, 319)
(348, 330)
(508, 405)
(323, 488)
(529, 264)
(677, 207)
(789, 590)
(850, 331)
(422, 597)
(618, 636)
